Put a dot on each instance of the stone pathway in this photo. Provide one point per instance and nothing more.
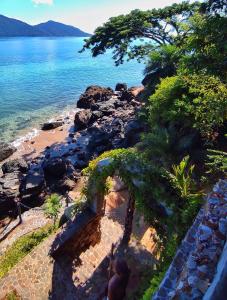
(32, 220)
(39, 277)
(88, 272)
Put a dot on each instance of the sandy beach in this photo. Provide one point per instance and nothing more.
(33, 147)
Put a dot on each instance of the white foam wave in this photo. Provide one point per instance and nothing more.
(27, 137)
(69, 113)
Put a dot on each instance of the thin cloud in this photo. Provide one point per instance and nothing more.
(49, 2)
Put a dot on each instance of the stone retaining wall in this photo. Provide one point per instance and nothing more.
(194, 265)
(76, 239)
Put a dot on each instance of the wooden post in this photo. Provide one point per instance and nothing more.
(128, 221)
(67, 199)
(19, 212)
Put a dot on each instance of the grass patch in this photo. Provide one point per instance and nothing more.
(21, 247)
(12, 296)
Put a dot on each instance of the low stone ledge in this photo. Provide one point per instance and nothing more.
(77, 235)
(194, 265)
(218, 288)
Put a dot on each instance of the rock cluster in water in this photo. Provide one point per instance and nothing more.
(106, 120)
(6, 151)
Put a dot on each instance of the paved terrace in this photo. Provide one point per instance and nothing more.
(39, 277)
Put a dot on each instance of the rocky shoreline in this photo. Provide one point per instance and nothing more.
(106, 119)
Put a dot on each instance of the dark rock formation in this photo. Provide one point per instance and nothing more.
(132, 132)
(96, 114)
(82, 119)
(127, 95)
(55, 167)
(52, 125)
(108, 122)
(94, 94)
(33, 183)
(15, 165)
(99, 138)
(6, 150)
(121, 87)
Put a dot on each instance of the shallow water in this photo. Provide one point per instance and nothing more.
(42, 77)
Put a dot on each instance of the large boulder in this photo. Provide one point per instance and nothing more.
(55, 167)
(52, 125)
(10, 185)
(133, 131)
(33, 183)
(99, 140)
(96, 114)
(107, 108)
(94, 94)
(120, 87)
(15, 165)
(82, 119)
(127, 95)
(6, 150)
(9, 191)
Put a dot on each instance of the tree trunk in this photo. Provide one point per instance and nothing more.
(128, 221)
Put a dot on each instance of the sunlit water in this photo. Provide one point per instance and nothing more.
(42, 77)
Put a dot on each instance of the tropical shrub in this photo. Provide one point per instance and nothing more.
(217, 162)
(190, 102)
(190, 200)
(205, 47)
(52, 207)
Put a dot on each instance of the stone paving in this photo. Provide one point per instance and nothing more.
(39, 277)
(32, 220)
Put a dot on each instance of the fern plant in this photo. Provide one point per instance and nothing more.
(181, 179)
(52, 207)
(217, 161)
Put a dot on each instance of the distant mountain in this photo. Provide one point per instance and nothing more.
(52, 28)
(11, 27)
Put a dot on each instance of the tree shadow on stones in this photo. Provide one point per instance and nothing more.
(75, 238)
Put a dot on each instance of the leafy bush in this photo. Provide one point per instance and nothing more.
(21, 247)
(162, 62)
(205, 47)
(52, 207)
(190, 102)
(217, 161)
(189, 200)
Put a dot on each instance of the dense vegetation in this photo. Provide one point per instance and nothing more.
(184, 48)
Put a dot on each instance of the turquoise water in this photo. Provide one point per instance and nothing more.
(40, 77)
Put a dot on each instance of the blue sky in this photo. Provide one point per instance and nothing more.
(85, 14)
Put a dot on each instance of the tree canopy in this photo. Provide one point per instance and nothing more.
(156, 27)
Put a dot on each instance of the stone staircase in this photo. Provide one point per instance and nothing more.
(89, 271)
(40, 277)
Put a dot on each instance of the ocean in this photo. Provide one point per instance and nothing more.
(41, 78)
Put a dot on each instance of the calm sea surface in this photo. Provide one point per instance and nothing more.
(42, 77)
